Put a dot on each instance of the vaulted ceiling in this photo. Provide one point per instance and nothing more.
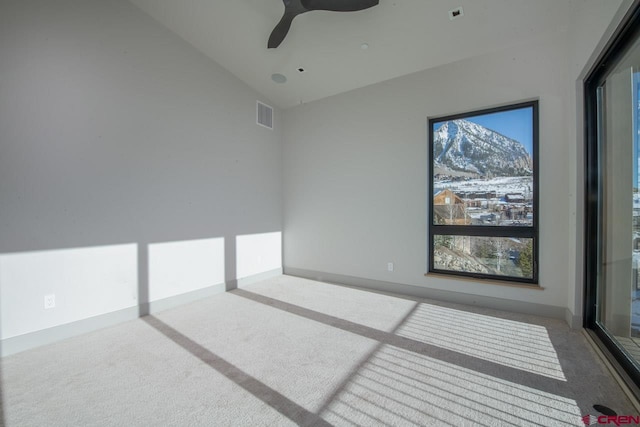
(403, 36)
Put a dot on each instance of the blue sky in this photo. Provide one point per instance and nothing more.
(515, 124)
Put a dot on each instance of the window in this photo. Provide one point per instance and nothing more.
(483, 193)
(612, 200)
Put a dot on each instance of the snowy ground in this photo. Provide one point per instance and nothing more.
(502, 185)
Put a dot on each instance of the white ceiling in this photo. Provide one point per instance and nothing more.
(404, 36)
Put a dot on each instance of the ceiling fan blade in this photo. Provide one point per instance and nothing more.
(293, 8)
(339, 5)
(280, 31)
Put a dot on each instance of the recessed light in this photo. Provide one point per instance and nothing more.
(364, 46)
(456, 13)
(279, 78)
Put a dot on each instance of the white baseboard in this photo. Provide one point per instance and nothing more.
(175, 301)
(259, 277)
(435, 294)
(574, 321)
(42, 337)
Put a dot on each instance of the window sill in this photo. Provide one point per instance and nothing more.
(520, 285)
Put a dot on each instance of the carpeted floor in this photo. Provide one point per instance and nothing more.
(290, 351)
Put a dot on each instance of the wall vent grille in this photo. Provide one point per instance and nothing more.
(264, 115)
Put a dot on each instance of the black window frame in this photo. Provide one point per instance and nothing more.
(529, 232)
(620, 42)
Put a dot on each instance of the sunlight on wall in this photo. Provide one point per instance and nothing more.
(400, 387)
(86, 282)
(179, 267)
(514, 344)
(258, 253)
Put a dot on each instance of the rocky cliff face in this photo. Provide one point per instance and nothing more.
(460, 145)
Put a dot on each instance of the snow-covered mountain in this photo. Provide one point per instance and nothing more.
(463, 146)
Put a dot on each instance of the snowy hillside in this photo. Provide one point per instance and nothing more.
(460, 145)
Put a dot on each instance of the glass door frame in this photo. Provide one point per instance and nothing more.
(624, 37)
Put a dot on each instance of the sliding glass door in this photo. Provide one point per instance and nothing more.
(613, 200)
(617, 300)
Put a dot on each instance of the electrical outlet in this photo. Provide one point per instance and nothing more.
(49, 301)
(390, 266)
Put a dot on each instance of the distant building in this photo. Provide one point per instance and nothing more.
(450, 209)
(514, 198)
(480, 195)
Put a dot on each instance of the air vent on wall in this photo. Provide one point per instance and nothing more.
(264, 115)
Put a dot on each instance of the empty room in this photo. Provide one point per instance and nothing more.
(319, 212)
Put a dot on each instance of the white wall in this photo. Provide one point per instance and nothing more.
(115, 131)
(179, 267)
(256, 253)
(85, 282)
(593, 24)
(356, 169)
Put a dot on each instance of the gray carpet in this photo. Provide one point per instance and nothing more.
(290, 351)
